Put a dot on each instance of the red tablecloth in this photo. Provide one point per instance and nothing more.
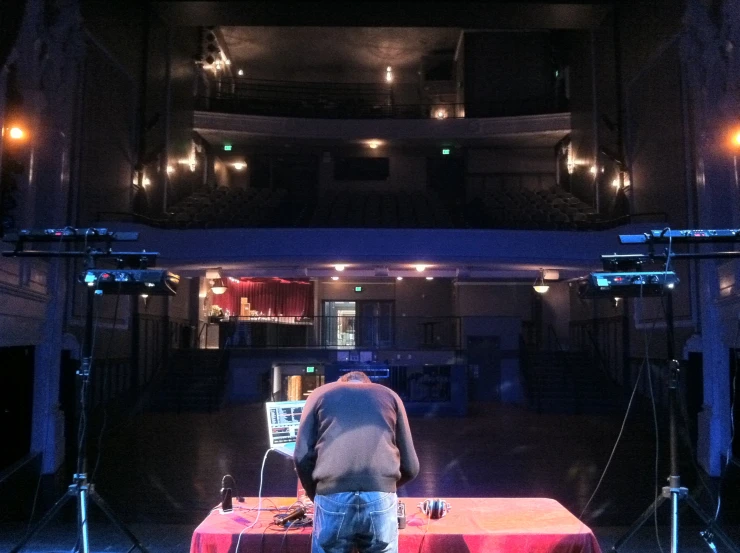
(473, 525)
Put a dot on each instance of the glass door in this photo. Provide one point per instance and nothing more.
(339, 324)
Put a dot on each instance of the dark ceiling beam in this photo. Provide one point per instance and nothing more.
(492, 14)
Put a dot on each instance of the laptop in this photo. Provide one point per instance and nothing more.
(283, 418)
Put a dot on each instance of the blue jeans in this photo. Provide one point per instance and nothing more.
(365, 520)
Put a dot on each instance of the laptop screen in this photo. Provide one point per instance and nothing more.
(283, 418)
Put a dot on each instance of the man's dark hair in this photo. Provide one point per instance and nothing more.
(355, 376)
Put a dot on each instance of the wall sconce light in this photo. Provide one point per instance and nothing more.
(239, 165)
(539, 284)
(440, 113)
(16, 133)
(571, 160)
(389, 74)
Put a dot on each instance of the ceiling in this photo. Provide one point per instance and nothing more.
(491, 14)
(345, 54)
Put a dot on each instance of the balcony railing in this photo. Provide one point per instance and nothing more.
(353, 101)
(342, 332)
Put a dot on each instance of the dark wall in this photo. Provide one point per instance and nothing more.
(654, 130)
(508, 71)
(137, 110)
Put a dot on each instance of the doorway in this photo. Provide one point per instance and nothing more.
(339, 324)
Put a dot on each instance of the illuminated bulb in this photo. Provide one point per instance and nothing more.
(16, 133)
(240, 72)
(339, 268)
(144, 296)
(420, 268)
(239, 165)
(593, 169)
(373, 145)
(430, 278)
(228, 62)
(399, 278)
(388, 74)
(441, 114)
(335, 278)
(170, 169)
(615, 183)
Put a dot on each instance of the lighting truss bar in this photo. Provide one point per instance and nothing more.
(638, 284)
(692, 236)
(123, 259)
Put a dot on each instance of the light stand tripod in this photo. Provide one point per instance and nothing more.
(674, 491)
(120, 281)
(614, 284)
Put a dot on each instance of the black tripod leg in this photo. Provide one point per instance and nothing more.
(43, 522)
(644, 517)
(100, 502)
(712, 524)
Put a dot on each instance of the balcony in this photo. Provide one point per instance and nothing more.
(353, 101)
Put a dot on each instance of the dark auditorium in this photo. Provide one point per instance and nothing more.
(370, 276)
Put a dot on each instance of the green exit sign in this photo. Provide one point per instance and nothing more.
(310, 369)
(358, 288)
(227, 147)
(445, 151)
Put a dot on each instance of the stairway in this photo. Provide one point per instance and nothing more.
(195, 381)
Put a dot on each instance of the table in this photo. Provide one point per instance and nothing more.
(473, 525)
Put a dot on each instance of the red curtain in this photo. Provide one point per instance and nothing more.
(274, 296)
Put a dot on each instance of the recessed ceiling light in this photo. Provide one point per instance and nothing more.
(339, 268)
(399, 278)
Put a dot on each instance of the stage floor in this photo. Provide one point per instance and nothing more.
(161, 472)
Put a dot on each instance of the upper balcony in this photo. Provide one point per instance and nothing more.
(361, 111)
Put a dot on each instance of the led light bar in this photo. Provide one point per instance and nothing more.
(639, 284)
(152, 282)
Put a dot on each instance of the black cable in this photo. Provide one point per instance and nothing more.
(643, 365)
(424, 535)
(104, 384)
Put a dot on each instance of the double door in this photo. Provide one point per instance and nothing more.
(360, 324)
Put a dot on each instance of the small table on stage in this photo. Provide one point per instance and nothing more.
(473, 525)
